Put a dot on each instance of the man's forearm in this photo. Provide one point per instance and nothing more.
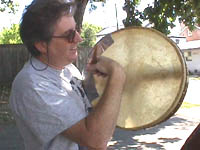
(102, 120)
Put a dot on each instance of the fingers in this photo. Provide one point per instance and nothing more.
(92, 68)
(98, 73)
(98, 50)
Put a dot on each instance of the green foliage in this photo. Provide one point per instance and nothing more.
(93, 6)
(196, 8)
(88, 33)
(8, 5)
(133, 15)
(163, 14)
(10, 35)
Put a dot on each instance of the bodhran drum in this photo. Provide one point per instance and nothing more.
(156, 76)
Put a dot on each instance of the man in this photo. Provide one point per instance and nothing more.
(47, 98)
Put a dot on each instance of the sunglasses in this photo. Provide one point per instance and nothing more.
(69, 37)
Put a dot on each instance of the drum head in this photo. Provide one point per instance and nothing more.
(156, 76)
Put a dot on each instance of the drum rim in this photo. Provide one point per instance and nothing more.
(183, 86)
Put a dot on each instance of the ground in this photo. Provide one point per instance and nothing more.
(169, 135)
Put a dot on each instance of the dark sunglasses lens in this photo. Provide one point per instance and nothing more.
(71, 36)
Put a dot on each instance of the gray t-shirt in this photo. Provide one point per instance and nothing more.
(45, 103)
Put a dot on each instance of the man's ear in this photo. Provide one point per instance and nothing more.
(41, 46)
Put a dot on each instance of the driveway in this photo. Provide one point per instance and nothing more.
(169, 135)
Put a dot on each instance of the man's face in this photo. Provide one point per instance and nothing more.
(63, 51)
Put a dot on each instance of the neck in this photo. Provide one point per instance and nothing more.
(48, 62)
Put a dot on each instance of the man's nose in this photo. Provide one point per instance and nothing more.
(78, 37)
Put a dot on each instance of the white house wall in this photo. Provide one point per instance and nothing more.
(192, 58)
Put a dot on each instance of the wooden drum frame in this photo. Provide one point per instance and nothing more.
(157, 76)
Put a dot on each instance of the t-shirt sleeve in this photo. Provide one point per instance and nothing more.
(48, 110)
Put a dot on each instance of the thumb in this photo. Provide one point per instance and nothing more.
(97, 51)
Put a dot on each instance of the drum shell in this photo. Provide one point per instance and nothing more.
(157, 76)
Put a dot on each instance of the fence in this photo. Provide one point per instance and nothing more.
(12, 59)
(82, 58)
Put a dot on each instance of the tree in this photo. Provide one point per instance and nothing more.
(81, 6)
(88, 33)
(8, 5)
(10, 35)
(163, 14)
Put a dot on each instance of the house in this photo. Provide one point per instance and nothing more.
(187, 41)
(191, 48)
(191, 52)
(190, 35)
(108, 30)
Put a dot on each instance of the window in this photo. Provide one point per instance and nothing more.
(177, 41)
(188, 56)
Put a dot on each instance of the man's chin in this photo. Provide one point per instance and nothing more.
(73, 60)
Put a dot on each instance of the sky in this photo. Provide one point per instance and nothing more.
(102, 16)
(8, 19)
(106, 16)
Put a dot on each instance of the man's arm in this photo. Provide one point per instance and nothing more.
(96, 129)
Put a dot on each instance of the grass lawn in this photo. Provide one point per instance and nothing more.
(189, 105)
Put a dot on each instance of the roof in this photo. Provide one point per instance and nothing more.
(108, 30)
(183, 45)
(189, 45)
